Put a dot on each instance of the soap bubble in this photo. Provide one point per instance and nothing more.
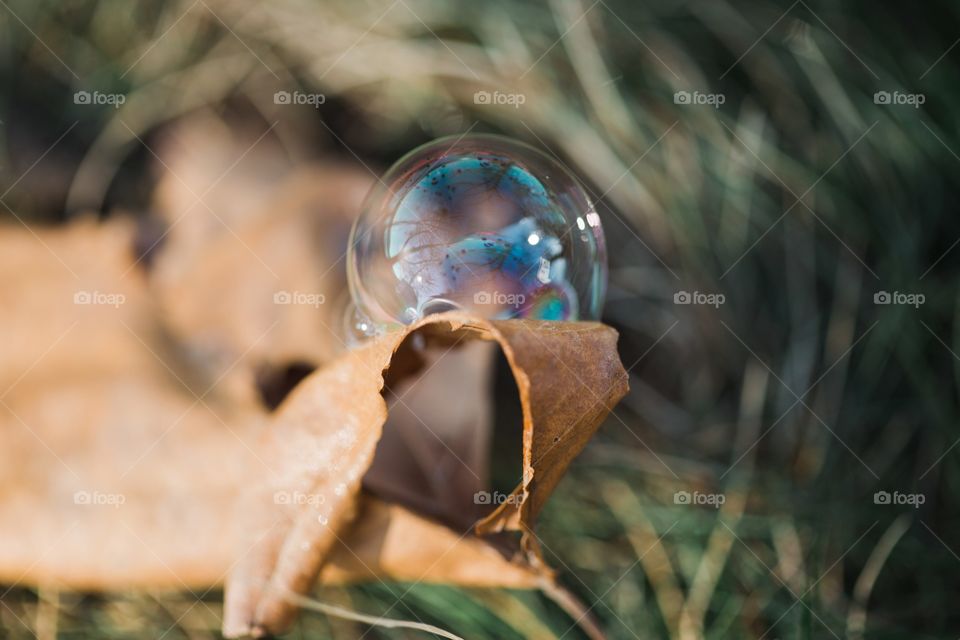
(479, 223)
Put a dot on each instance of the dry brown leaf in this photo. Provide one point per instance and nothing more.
(390, 542)
(241, 224)
(434, 453)
(114, 454)
(45, 276)
(214, 175)
(325, 434)
(293, 247)
(96, 410)
(125, 404)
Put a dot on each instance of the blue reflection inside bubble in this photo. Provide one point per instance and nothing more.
(486, 225)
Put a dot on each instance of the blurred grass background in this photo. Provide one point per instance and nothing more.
(798, 199)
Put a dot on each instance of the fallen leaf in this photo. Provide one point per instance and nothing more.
(289, 258)
(434, 456)
(390, 542)
(114, 453)
(324, 436)
(136, 449)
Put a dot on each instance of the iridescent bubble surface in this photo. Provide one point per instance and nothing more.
(479, 223)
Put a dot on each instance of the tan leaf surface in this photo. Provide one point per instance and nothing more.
(97, 408)
(324, 437)
(221, 302)
(135, 450)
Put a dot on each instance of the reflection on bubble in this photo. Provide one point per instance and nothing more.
(479, 223)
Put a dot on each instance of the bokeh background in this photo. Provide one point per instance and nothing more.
(778, 186)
